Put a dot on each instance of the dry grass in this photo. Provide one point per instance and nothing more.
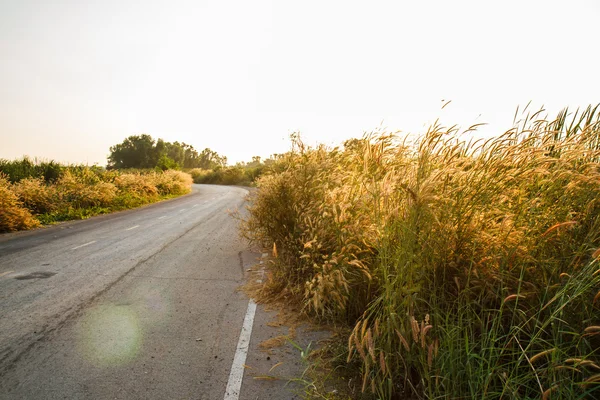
(80, 192)
(13, 215)
(455, 262)
(36, 196)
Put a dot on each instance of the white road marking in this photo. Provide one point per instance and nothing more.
(164, 216)
(194, 205)
(133, 227)
(83, 245)
(6, 273)
(234, 384)
(183, 209)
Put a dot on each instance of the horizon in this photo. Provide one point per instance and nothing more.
(239, 78)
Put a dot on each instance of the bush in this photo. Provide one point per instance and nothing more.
(81, 192)
(38, 197)
(85, 191)
(172, 182)
(196, 173)
(13, 215)
(464, 269)
(236, 175)
(136, 184)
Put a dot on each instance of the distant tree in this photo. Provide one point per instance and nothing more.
(136, 151)
(141, 151)
(165, 163)
(191, 158)
(209, 159)
(159, 150)
(176, 152)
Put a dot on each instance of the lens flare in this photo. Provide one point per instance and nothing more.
(109, 335)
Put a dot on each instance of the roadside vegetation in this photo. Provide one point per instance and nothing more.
(143, 152)
(460, 268)
(34, 193)
(243, 173)
(140, 170)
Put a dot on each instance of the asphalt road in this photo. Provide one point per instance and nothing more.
(140, 304)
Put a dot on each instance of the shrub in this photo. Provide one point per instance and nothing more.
(38, 197)
(196, 173)
(136, 184)
(236, 175)
(81, 192)
(13, 215)
(172, 182)
(85, 190)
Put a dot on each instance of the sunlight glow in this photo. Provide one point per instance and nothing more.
(110, 335)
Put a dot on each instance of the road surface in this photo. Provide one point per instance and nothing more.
(140, 304)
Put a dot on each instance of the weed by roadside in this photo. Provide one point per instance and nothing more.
(80, 192)
(462, 269)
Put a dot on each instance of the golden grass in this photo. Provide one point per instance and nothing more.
(13, 214)
(36, 196)
(79, 192)
(495, 240)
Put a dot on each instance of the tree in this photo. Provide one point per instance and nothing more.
(135, 152)
(209, 159)
(141, 151)
(176, 152)
(191, 157)
(165, 163)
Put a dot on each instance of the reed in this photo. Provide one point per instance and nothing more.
(464, 268)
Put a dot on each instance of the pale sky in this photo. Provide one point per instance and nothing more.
(239, 76)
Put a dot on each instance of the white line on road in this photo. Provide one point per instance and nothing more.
(6, 273)
(183, 209)
(194, 205)
(83, 245)
(133, 227)
(234, 384)
(164, 216)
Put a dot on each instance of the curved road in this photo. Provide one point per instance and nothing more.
(137, 304)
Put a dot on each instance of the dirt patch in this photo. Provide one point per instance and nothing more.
(295, 339)
(35, 275)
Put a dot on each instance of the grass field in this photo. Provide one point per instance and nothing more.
(32, 193)
(460, 268)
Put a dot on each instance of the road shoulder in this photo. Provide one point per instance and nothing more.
(281, 347)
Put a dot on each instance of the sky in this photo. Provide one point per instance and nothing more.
(77, 77)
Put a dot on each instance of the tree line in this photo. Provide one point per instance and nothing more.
(142, 151)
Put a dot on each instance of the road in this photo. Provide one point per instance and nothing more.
(140, 304)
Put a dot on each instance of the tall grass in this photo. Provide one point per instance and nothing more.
(17, 170)
(80, 192)
(13, 215)
(465, 269)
